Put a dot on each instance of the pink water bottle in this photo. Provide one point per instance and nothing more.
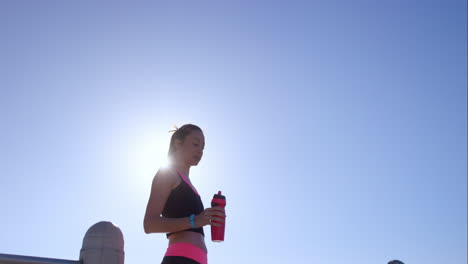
(217, 232)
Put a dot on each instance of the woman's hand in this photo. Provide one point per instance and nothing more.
(211, 216)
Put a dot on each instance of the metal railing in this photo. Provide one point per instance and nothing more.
(103, 243)
(17, 259)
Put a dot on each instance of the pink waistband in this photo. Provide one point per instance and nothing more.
(187, 250)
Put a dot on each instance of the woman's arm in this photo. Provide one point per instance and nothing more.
(161, 188)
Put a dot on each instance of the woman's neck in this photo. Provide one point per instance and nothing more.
(182, 167)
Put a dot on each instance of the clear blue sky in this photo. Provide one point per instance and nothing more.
(336, 129)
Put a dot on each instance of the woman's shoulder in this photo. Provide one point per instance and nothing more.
(167, 175)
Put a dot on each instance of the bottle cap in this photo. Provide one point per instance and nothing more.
(219, 196)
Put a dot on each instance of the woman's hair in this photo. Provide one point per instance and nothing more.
(180, 133)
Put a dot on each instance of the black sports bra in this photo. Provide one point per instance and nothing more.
(183, 201)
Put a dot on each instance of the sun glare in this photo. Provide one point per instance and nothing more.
(147, 154)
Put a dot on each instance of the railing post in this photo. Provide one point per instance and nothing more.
(103, 244)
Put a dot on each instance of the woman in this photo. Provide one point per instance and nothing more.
(174, 205)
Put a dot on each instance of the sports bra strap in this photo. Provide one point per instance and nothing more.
(187, 181)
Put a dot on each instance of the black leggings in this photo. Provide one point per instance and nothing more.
(178, 260)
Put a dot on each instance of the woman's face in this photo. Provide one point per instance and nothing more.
(191, 150)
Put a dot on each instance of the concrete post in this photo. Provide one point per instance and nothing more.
(103, 244)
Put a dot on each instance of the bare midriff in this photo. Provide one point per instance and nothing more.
(190, 237)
